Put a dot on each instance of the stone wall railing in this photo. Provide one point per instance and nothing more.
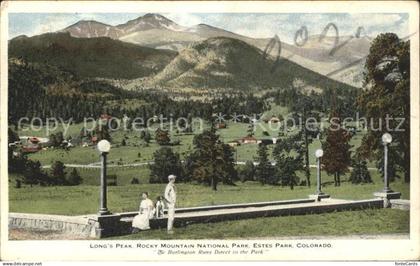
(75, 226)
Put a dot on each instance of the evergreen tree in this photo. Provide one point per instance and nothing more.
(12, 136)
(33, 173)
(102, 132)
(135, 181)
(162, 137)
(58, 174)
(211, 161)
(393, 166)
(74, 178)
(83, 133)
(387, 95)
(250, 131)
(56, 139)
(59, 138)
(247, 173)
(264, 171)
(166, 162)
(360, 172)
(17, 162)
(147, 137)
(142, 133)
(304, 113)
(52, 140)
(289, 160)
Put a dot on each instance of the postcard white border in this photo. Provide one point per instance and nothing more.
(341, 250)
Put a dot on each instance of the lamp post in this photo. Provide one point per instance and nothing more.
(103, 147)
(318, 154)
(386, 139)
(387, 194)
(319, 194)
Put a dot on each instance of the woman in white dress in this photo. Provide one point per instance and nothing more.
(146, 212)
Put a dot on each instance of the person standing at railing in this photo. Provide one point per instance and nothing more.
(170, 199)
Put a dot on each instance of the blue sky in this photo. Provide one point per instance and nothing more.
(260, 25)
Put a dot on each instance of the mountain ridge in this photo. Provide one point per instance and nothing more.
(159, 32)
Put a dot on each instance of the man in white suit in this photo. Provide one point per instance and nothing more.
(170, 199)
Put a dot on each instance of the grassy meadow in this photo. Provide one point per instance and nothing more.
(84, 199)
(136, 151)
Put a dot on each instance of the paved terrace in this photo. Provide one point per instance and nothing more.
(120, 223)
(206, 214)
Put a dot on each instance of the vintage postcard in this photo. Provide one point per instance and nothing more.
(147, 131)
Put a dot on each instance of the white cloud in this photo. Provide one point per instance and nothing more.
(50, 24)
(375, 20)
(184, 19)
(56, 22)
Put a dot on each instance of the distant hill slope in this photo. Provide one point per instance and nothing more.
(92, 29)
(93, 57)
(167, 38)
(41, 90)
(222, 62)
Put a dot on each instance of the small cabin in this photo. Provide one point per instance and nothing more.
(94, 139)
(105, 117)
(221, 125)
(274, 120)
(249, 140)
(234, 143)
(33, 140)
(32, 145)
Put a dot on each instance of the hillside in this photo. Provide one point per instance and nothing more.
(93, 57)
(162, 39)
(42, 90)
(178, 37)
(345, 62)
(348, 48)
(230, 63)
(92, 29)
